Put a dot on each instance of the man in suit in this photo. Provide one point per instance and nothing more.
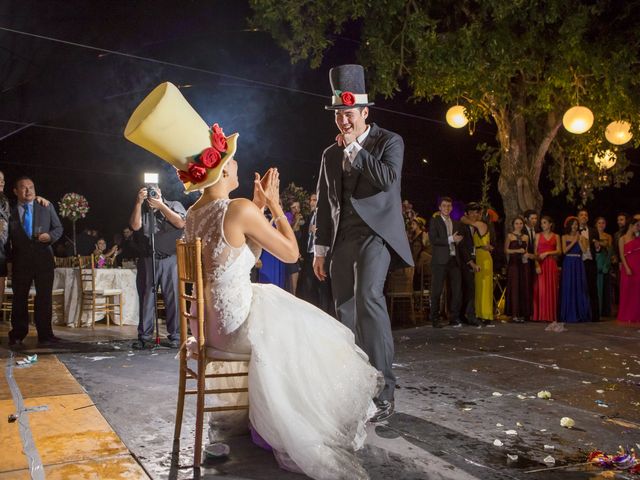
(531, 228)
(589, 260)
(445, 236)
(312, 290)
(468, 267)
(360, 219)
(33, 228)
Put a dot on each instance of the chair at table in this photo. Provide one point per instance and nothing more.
(65, 262)
(400, 289)
(107, 301)
(190, 279)
(7, 301)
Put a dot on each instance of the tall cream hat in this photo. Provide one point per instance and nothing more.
(167, 126)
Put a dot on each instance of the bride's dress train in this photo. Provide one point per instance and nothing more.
(310, 386)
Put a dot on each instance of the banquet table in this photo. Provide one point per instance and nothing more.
(106, 278)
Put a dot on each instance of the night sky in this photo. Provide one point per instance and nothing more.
(63, 106)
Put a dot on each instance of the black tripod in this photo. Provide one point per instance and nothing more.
(151, 221)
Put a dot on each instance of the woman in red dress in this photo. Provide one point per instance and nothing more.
(629, 310)
(545, 288)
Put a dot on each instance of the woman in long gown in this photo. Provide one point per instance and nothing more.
(545, 288)
(603, 261)
(629, 309)
(574, 296)
(483, 276)
(518, 279)
(310, 386)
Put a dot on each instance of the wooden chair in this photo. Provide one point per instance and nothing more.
(7, 301)
(98, 301)
(190, 279)
(400, 288)
(423, 294)
(65, 262)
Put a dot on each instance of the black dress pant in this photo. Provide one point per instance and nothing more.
(591, 269)
(439, 274)
(468, 294)
(24, 273)
(314, 291)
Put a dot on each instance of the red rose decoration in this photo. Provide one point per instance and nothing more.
(197, 172)
(219, 142)
(216, 129)
(348, 98)
(184, 176)
(210, 157)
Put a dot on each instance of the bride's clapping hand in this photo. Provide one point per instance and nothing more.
(259, 184)
(272, 188)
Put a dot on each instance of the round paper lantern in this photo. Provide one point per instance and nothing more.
(618, 133)
(456, 117)
(577, 119)
(605, 160)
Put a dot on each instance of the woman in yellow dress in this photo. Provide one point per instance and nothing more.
(483, 276)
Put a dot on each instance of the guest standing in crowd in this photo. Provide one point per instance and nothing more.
(574, 297)
(296, 220)
(469, 264)
(420, 251)
(5, 213)
(603, 263)
(519, 290)
(531, 228)
(311, 289)
(483, 277)
(444, 235)
(589, 259)
(629, 251)
(33, 228)
(100, 252)
(545, 290)
(622, 219)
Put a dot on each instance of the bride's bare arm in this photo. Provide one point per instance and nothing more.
(245, 219)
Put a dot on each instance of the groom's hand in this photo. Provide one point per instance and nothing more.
(318, 268)
(345, 139)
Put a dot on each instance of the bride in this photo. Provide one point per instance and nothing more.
(310, 386)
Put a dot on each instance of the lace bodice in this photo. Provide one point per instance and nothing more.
(227, 269)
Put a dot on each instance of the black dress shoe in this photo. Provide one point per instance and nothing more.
(474, 323)
(15, 344)
(436, 324)
(385, 410)
(455, 324)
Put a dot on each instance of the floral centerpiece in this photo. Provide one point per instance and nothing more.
(74, 207)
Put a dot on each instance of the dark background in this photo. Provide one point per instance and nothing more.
(63, 106)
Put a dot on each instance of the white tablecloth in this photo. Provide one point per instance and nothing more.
(106, 278)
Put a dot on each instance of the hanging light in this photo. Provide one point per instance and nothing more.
(605, 160)
(456, 117)
(618, 132)
(578, 119)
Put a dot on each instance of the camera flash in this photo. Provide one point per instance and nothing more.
(151, 178)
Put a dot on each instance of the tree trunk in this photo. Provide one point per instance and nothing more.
(519, 174)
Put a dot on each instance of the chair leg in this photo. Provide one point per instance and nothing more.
(181, 389)
(120, 305)
(197, 452)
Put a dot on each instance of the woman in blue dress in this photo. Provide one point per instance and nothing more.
(574, 298)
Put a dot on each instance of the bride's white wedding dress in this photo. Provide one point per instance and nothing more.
(310, 386)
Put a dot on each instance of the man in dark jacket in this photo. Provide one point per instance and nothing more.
(33, 228)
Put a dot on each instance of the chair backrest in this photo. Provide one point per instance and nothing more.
(401, 280)
(189, 258)
(87, 273)
(64, 262)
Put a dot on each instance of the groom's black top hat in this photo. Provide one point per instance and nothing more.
(347, 84)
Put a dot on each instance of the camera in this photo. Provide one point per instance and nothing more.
(152, 192)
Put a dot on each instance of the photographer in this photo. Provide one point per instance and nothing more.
(168, 218)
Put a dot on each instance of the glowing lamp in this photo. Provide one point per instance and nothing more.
(456, 117)
(578, 119)
(618, 133)
(605, 160)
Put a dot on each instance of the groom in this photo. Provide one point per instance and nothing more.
(359, 218)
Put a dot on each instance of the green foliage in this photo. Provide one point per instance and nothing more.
(518, 63)
(294, 193)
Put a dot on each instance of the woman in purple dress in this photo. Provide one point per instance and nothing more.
(574, 296)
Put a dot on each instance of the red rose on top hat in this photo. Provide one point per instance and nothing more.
(218, 140)
(210, 157)
(197, 172)
(348, 98)
(348, 87)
